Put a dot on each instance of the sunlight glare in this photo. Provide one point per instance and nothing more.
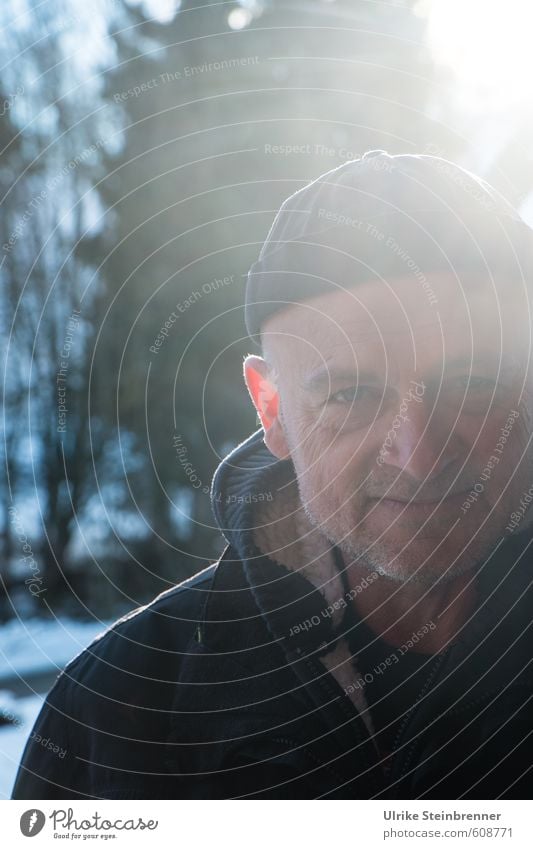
(487, 44)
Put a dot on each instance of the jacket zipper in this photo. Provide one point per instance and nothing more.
(406, 720)
(454, 711)
(320, 679)
(293, 744)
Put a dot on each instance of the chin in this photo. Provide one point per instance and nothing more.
(428, 574)
(422, 560)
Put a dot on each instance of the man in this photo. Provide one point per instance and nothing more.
(366, 632)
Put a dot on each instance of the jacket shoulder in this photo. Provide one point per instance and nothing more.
(106, 719)
(164, 625)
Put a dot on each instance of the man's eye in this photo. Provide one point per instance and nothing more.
(350, 395)
(476, 394)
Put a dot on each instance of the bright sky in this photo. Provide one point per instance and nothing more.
(487, 44)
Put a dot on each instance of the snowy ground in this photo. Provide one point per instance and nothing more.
(13, 737)
(32, 652)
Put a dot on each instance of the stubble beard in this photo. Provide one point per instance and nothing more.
(363, 552)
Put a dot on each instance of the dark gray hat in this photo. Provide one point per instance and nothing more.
(384, 216)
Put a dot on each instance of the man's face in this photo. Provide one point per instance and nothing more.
(400, 417)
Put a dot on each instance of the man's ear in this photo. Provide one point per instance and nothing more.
(264, 393)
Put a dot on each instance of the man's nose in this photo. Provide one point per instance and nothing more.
(422, 446)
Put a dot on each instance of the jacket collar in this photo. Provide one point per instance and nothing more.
(287, 563)
(257, 507)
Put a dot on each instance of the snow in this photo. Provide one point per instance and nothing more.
(39, 645)
(13, 737)
(28, 649)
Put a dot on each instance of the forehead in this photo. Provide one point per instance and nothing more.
(397, 321)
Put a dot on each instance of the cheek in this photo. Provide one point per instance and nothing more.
(342, 457)
(338, 479)
(500, 455)
(503, 432)
(336, 465)
(324, 462)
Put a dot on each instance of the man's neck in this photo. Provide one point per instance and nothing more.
(395, 611)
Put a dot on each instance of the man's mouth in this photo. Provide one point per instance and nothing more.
(421, 506)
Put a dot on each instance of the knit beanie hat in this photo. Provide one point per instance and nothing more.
(384, 216)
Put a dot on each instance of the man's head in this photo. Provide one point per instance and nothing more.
(400, 386)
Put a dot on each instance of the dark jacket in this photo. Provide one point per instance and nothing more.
(234, 683)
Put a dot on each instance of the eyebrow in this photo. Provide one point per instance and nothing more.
(487, 358)
(325, 376)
